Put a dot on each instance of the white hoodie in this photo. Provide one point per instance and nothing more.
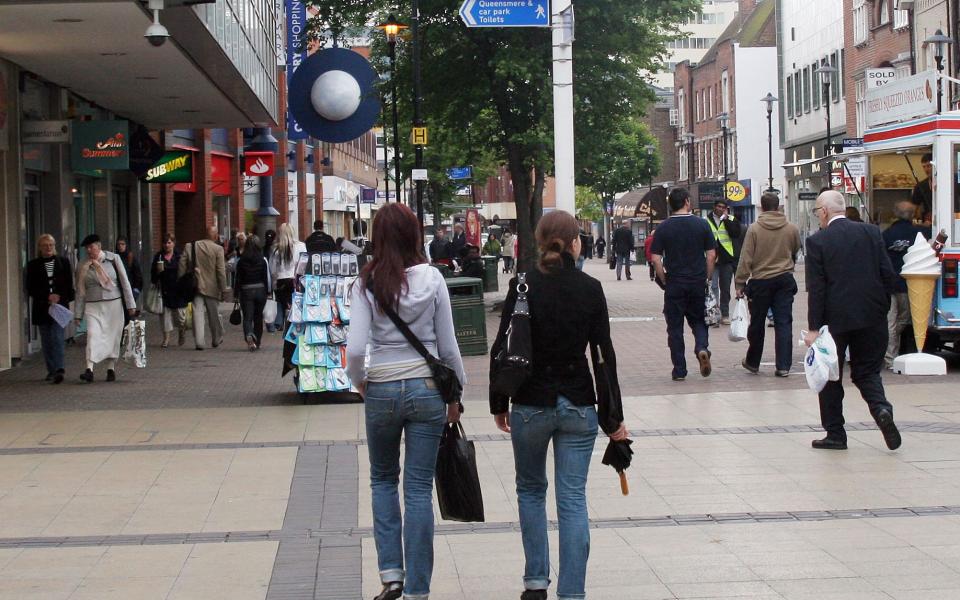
(426, 309)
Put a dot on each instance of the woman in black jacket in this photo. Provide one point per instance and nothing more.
(163, 273)
(556, 403)
(49, 281)
(253, 285)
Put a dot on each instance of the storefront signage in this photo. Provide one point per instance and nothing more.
(175, 166)
(100, 145)
(807, 196)
(296, 52)
(914, 96)
(144, 151)
(45, 132)
(258, 164)
(368, 195)
(736, 192)
(879, 77)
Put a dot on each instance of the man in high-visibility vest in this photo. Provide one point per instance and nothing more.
(727, 231)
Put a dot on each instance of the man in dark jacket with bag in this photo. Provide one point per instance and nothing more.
(849, 281)
(622, 247)
(765, 277)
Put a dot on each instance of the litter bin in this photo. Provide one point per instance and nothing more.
(490, 282)
(469, 319)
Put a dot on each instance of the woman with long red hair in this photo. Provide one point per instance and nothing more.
(400, 397)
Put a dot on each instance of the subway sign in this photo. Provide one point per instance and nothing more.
(173, 167)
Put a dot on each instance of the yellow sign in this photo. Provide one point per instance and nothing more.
(735, 191)
(418, 136)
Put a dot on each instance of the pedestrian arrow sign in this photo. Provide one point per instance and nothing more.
(506, 13)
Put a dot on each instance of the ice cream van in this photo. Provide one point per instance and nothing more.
(898, 171)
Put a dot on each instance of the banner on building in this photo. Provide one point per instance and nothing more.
(258, 164)
(473, 227)
(175, 166)
(296, 51)
(905, 98)
(100, 145)
(144, 151)
(45, 132)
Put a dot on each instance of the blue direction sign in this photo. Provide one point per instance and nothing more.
(506, 13)
(460, 172)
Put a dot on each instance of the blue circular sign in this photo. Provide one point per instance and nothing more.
(306, 92)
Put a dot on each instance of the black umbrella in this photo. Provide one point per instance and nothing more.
(618, 456)
(610, 410)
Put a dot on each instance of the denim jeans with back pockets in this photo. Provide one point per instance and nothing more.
(414, 409)
(573, 430)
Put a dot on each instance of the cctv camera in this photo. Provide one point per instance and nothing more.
(157, 34)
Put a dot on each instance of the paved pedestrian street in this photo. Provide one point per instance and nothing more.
(203, 476)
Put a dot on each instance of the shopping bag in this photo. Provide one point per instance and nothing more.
(135, 343)
(61, 314)
(739, 321)
(270, 311)
(153, 301)
(821, 363)
(711, 311)
(188, 317)
(458, 484)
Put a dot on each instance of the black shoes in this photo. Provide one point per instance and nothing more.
(782, 373)
(391, 591)
(829, 443)
(747, 366)
(705, 368)
(87, 376)
(679, 377)
(49, 377)
(889, 429)
(534, 595)
(58, 377)
(111, 375)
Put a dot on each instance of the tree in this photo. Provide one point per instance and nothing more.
(496, 83)
(589, 204)
(619, 163)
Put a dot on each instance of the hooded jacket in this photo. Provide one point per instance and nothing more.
(769, 250)
(425, 306)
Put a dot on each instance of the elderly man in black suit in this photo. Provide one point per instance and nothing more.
(849, 282)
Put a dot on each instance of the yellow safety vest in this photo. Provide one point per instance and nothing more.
(723, 238)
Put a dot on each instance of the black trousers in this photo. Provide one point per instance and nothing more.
(684, 301)
(251, 304)
(867, 348)
(776, 293)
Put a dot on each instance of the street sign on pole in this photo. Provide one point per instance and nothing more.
(418, 174)
(506, 13)
(460, 172)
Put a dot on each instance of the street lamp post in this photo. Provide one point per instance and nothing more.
(723, 120)
(769, 99)
(417, 117)
(940, 43)
(391, 27)
(826, 73)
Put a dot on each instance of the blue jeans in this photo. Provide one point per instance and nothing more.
(623, 261)
(573, 430)
(51, 340)
(412, 408)
(684, 300)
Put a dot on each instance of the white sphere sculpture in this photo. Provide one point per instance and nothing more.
(335, 95)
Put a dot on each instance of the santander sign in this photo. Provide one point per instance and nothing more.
(258, 164)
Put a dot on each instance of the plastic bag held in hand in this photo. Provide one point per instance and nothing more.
(739, 322)
(821, 362)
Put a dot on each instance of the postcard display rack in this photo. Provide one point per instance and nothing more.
(319, 321)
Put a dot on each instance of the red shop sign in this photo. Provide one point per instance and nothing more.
(258, 164)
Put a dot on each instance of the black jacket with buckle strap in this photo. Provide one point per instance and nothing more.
(568, 311)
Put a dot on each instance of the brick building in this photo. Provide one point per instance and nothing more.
(709, 95)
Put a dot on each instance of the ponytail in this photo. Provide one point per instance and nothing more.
(556, 233)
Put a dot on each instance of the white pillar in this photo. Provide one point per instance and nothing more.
(563, 103)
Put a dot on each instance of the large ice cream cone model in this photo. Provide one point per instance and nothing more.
(920, 289)
(921, 269)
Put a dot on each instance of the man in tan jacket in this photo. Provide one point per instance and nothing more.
(765, 277)
(211, 284)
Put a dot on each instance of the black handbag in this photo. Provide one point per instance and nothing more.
(187, 284)
(443, 376)
(458, 483)
(513, 364)
(236, 316)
